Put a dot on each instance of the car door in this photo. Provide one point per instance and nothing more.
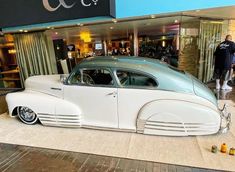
(136, 89)
(94, 91)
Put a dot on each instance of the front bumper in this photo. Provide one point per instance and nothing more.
(225, 120)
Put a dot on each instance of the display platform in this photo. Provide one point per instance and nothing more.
(186, 151)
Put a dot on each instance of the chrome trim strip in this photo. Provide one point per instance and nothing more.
(64, 118)
(226, 120)
(60, 121)
(187, 131)
(181, 126)
(60, 125)
(165, 129)
(107, 128)
(180, 123)
(44, 114)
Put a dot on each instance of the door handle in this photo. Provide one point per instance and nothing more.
(113, 93)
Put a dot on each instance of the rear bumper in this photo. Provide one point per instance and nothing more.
(225, 120)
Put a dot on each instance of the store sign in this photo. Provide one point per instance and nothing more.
(63, 4)
(22, 12)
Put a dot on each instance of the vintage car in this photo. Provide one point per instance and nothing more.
(123, 94)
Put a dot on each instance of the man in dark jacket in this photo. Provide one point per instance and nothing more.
(223, 62)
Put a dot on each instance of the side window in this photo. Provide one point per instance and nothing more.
(91, 77)
(97, 77)
(133, 79)
(75, 78)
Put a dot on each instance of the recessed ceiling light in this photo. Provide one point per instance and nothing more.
(56, 33)
(111, 27)
(153, 16)
(114, 20)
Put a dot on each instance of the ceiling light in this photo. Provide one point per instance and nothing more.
(56, 33)
(80, 24)
(216, 22)
(111, 28)
(163, 37)
(153, 16)
(114, 20)
(85, 36)
(176, 21)
(21, 30)
(25, 31)
(163, 43)
(48, 27)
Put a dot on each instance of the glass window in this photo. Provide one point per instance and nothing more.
(97, 77)
(133, 79)
(75, 78)
(92, 77)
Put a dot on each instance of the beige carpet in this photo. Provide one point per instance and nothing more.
(189, 151)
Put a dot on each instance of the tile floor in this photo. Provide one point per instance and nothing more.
(15, 158)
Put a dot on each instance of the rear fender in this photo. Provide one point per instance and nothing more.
(179, 118)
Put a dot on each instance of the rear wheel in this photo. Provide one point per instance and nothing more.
(27, 116)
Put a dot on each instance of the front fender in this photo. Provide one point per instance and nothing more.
(177, 117)
(48, 108)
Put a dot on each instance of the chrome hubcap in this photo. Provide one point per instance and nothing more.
(27, 114)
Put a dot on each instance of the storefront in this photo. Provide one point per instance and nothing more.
(58, 34)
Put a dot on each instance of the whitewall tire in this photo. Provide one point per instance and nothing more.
(27, 116)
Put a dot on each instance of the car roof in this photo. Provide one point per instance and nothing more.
(121, 61)
(169, 78)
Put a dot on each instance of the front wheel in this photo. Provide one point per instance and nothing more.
(27, 116)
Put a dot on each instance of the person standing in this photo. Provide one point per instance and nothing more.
(223, 61)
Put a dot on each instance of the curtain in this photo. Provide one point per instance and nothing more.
(33, 55)
(210, 36)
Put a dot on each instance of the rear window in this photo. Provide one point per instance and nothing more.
(133, 79)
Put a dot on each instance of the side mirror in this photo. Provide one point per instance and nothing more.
(63, 78)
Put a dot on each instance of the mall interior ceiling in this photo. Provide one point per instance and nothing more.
(121, 30)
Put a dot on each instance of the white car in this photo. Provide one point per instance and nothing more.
(122, 93)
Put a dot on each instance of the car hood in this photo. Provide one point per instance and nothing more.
(203, 91)
(48, 84)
